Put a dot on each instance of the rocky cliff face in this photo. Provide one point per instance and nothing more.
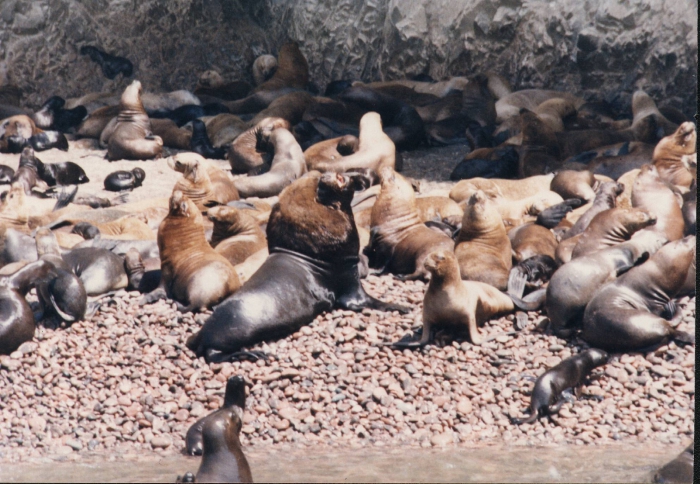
(593, 47)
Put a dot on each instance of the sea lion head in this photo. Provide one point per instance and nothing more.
(139, 175)
(189, 164)
(222, 428)
(637, 219)
(181, 206)
(264, 68)
(371, 121)
(210, 79)
(597, 357)
(133, 261)
(86, 230)
(441, 263)
(686, 135)
(224, 215)
(131, 98)
(339, 188)
(46, 242)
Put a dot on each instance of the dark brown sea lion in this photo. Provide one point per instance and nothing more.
(111, 65)
(51, 115)
(132, 138)
(314, 248)
(201, 144)
(574, 284)
(211, 85)
(243, 155)
(16, 317)
(570, 373)
(654, 195)
(95, 123)
(375, 150)
(264, 68)
(236, 234)
(680, 470)
(633, 312)
(531, 239)
(292, 70)
(399, 240)
(201, 182)
(172, 136)
(192, 272)
(454, 304)
(124, 180)
(223, 129)
(610, 227)
(215, 438)
(482, 246)
(287, 165)
(669, 152)
(27, 174)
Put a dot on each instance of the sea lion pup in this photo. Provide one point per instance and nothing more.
(643, 105)
(200, 143)
(511, 104)
(532, 239)
(27, 174)
(202, 183)
(573, 285)
(401, 122)
(509, 189)
(605, 199)
(243, 154)
(500, 162)
(124, 180)
(63, 295)
(132, 138)
(51, 115)
(482, 247)
(330, 150)
(375, 150)
(192, 273)
(19, 131)
(288, 164)
(535, 271)
(610, 227)
(99, 270)
(16, 318)
(111, 65)
(236, 234)
(574, 184)
(6, 174)
(399, 240)
(314, 248)
(570, 373)
(633, 312)
(450, 302)
(679, 470)
(654, 195)
(215, 438)
(292, 70)
(669, 152)
(172, 136)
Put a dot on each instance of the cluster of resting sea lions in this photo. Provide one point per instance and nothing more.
(562, 205)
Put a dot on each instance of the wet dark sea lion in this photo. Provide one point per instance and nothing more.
(680, 470)
(16, 317)
(215, 438)
(51, 115)
(488, 163)
(314, 247)
(192, 272)
(575, 283)
(568, 374)
(455, 304)
(61, 174)
(132, 138)
(111, 65)
(399, 240)
(99, 270)
(201, 144)
(6, 174)
(633, 312)
(124, 180)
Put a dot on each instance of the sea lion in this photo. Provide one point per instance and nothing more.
(574, 184)
(211, 85)
(200, 143)
(518, 212)
(19, 131)
(330, 150)
(679, 470)
(236, 234)
(292, 70)
(610, 227)
(605, 199)
(27, 174)
(17, 247)
(128, 227)
(632, 312)
(95, 123)
(290, 106)
(399, 240)
(287, 165)
(531, 239)
(573, 285)
(264, 68)
(689, 209)
(132, 137)
(63, 295)
(51, 115)
(669, 152)
(509, 189)
(223, 129)
(243, 154)
(375, 150)
(510, 104)
(192, 272)
(99, 270)
(171, 134)
(633, 157)
(570, 373)
(536, 271)
(654, 195)
(111, 65)
(6, 174)
(187, 113)
(215, 438)
(61, 174)
(553, 111)
(124, 180)
(456, 304)
(143, 276)
(500, 162)
(201, 182)
(482, 246)
(16, 317)
(643, 106)
(314, 247)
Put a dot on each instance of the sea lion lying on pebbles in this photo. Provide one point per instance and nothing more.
(314, 247)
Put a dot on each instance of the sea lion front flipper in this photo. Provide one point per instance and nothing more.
(214, 356)
(550, 217)
(156, 295)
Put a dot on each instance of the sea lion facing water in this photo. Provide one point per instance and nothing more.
(669, 152)
(633, 312)
(132, 138)
(568, 374)
(399, 240)
(192, 272)
(313, 245)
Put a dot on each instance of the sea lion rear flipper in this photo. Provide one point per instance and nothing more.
(550, 217)
(153, 296)
(65, 198)
(215, 356)
(533, 303)
(516, 282)
(518, 421)
(684, 337)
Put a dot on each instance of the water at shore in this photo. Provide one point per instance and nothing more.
(611, 463)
